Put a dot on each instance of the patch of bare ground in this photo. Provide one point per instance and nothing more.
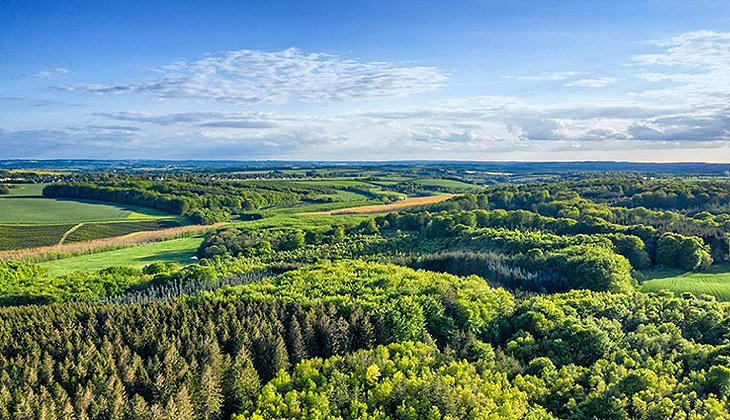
(99, 245)
(384, 208)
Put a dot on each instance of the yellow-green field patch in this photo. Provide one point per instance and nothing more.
(176, 250)
(714, 281)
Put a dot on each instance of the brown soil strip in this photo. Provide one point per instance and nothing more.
(384, 208)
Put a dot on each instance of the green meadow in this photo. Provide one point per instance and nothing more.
(26, 205)
(449, 183)
(176, 250)
(714, 281)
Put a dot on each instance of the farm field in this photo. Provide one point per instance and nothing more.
(448, 183)
(176, 250)
(26, 205)
(32, 236)
(715, 281)
(346, 196)
(399, 205)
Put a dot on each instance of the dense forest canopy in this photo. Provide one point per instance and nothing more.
(515, 301)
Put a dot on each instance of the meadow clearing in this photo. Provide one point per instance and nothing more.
(178, 251)
(714, 281)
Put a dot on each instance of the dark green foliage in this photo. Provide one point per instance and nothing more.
(243, 350)
(204, 201)
(334, 338)
(4, 189)
(688, 253)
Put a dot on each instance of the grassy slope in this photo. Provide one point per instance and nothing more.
(449, 183)
(26, 205)
(176, 250)
(715, 281)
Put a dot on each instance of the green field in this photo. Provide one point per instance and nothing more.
(449, 183)
(714, 281)
(32, 236)
(345, 196)
(176, 250)
(26, 205)
(91, 231)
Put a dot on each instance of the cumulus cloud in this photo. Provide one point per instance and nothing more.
(695, 64)
(681, 104)
(703, 49)
(250, 76)
(593, 83)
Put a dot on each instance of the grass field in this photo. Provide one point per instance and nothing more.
(345, 196)
(449, 183)
(176, 250)
(26, 205)
(382, 208)
(714, 281)
(91, 231)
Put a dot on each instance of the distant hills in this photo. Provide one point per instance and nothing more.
(688, 168)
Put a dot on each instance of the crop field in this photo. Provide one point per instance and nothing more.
(398, 205)
(346, 196)
(26, 205)
(449, 183)
(31, 236)
(176, 250)
(91, 231)
(714, 281)
(72, 249)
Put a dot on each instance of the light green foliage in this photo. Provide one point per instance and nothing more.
(406, 298)
(23, 283)
(405, 381)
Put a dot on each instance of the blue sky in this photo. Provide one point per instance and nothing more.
(574, 80)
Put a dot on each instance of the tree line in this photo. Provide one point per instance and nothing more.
(358, 340)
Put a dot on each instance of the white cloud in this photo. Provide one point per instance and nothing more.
(682, 103)
(51, 73)
(249, 76)
(546, 77)
(703, 49)
(593, 83)
(702, 76)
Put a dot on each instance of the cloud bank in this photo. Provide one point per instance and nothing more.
(680, 112)
(249, 76)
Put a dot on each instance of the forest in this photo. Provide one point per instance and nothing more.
(518, 300)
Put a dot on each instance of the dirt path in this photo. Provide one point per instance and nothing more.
(99, 245)
(384, 208)
(68, 232)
